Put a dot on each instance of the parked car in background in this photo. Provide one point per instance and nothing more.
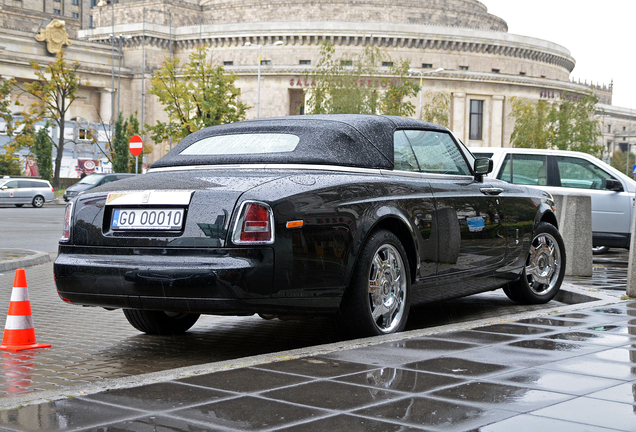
(565, 172)
(92, 181)
(21, 191)
(352, 216)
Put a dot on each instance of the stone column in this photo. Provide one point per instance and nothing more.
(459, 115)
(575, 225)
(106, 104)
(631, 268)
(496, 133)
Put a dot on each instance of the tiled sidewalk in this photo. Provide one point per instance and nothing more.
(567, 372)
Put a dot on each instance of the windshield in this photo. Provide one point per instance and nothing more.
(91, 179)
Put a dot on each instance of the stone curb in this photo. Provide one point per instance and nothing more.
(32, 258)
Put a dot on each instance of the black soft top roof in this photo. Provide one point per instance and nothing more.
(354, 140)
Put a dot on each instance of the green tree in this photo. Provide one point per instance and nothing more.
(436, 108)
(568, 124)
(5, 103)
(347, 85)
(195, 96)
(575, 125)
(620, 162)
(51, 96)
(9, 165)
(43, 152)
(122, 131)
(531, 128)
(399, 88)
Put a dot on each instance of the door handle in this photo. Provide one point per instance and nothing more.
(491, 191)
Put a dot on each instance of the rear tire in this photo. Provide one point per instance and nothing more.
(38, 201)
(544, 271)
(378, 299)
(160, 322)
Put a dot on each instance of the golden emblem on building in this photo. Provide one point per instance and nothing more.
(55, 36)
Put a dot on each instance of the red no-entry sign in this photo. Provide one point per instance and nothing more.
(136, 145)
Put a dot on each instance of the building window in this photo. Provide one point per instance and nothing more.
(90, 21)
(624, 128)
(266, 62)
(463, 68)
(542, 76)
(609, 128)
(57, 12)
(387, 64)
(228, 63)
(93, 3)
(427, 66)
(522, 73)
(495, 71)
(305, 62)
(476, 119)
(75, 2)
(75, 15)
(346, 62)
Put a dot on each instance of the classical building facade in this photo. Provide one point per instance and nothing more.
(121, 44)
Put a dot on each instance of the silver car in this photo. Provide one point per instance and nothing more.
(21, 191)
(564, 172)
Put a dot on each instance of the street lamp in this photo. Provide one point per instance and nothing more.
(422, 73)
(258, 91)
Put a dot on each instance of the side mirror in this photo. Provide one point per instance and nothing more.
(613, 185)
(482, 166)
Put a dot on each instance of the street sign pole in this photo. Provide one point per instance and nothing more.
(136, 146)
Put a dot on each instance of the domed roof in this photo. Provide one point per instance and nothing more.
(456, 13)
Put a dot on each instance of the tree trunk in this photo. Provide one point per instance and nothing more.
(58, 156)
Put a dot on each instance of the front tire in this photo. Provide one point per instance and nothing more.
(38, 201)
(544, 271)
(378, 299)
(160, 322)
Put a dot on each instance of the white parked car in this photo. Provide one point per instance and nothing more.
(564, 172)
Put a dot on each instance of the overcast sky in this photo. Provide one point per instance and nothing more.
(599, 34)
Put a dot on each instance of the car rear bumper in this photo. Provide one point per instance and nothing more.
(181, 280)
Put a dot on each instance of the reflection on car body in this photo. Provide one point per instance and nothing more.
(348, 215)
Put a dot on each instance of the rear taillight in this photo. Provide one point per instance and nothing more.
(254, 224)
(68, 215)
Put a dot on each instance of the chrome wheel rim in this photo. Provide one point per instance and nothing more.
(387, 289)
(39, 202)
(544, 264)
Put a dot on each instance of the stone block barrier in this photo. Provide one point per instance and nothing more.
(574, 213)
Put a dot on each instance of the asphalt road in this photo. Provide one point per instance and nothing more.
(31, 228)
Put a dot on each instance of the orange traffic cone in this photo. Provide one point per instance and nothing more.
(19, 333)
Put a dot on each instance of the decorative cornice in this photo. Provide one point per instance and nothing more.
(421, 42)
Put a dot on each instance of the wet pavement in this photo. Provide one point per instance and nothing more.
(478, 363)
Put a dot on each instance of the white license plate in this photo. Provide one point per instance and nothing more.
(147, 219)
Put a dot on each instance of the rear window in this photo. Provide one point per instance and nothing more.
(243, 144)
(33, 184)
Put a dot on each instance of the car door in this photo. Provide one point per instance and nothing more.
(468, 214)
(611, 211)
(9, 192)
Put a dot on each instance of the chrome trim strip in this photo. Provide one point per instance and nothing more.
(271, 166)
(150, 197)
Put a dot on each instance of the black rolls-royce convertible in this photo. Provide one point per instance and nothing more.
(354, 216)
